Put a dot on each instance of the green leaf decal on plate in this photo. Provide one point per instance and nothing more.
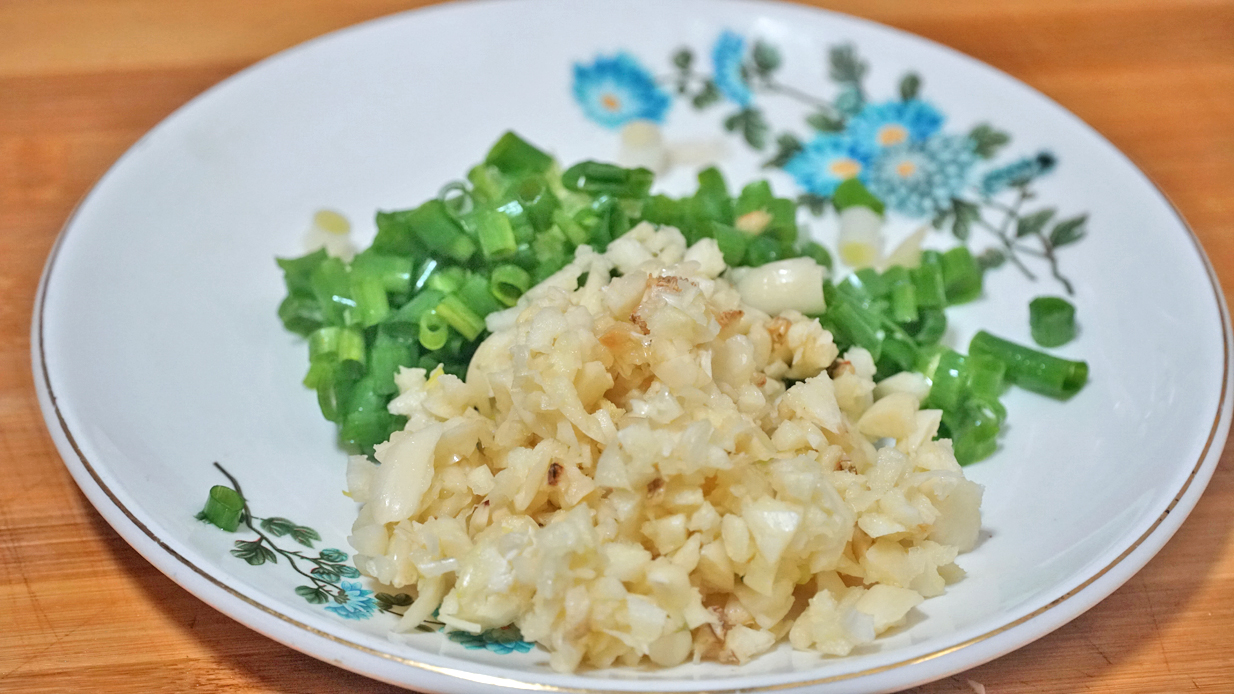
(910, 85)
(706, 96)
(823, 122)
(326, 573)
(315, 596)
(787, 147)
(965, 214)
(1033, 223)
(305, 535)
(845, 65)
(683, 59)
(1068, 231)
(254, 552)
(277, 527)
(991, 258)
(332, 555)
(987, 141)
(766, 57)
(387, 600)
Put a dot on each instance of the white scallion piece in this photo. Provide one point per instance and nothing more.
(861, 237)
(330, 230)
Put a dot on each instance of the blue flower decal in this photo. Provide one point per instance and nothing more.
(879, 126)
(359, 605)
(728, 56)
(501, 640)
(920, 178)
(825, 162)
(1017, 173)
(616, 90)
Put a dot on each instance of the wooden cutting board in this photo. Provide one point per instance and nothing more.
(81, 80)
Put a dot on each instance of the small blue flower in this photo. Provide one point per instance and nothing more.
(825, 162)
(616, 90)
(1017, 173)
(920, 178)
(501, 640)
(879, 126)
(728, 56)
(359, 605)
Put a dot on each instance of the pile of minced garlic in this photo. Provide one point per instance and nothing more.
(654, 456)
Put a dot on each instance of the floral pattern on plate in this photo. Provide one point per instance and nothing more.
(898, 147)
(326, 576)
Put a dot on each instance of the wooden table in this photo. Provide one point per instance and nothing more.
(81, 80)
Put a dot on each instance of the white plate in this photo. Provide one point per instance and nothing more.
(157, 350)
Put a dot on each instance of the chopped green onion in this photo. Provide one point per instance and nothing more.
(394, 272)
(732, 242)
(537, 201)
(332, 287)
(420, 304)
(395, 235)
(986, 375)
(573, 231)
(508, 283)
(512, 154)
(485, 184)
(783, 224)
(372, 305)
(457, 197)
(661, 209)
(949, 381)
(873, 282)
(1052, 321)
(930, 326)
(459, 316)
(334, 382)
(476, 296)
(818, 252)
(448, 279)
(928, 281)
(754, 196)
(928, 358)
(370, 424)
(297, 272)
(611, 222)
(858, 326)
(903, 294)
(520, 222)
(436, 229)
(598, 178)
(494, 231)
(301, 314)
(961, 275)
(853, 192)
(763, 250)
(974, 445)
(426, 270)
(1031, 369)
(711, 201)
(551, 243)
(224, 506)
(434, 330)
(898, 355)
(974, 427)
(344, 344)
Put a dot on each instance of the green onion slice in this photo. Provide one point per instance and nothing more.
(1051, 320)
(224, 507)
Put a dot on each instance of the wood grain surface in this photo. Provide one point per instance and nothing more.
(81, 80)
